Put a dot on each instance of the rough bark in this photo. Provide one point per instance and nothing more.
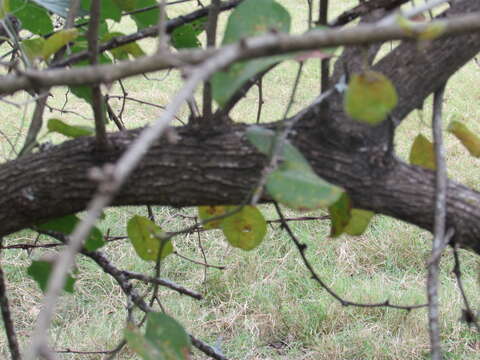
(218, 166)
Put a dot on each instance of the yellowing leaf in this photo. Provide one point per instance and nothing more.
(33, 47)
(245, 229)
(206, 212)
(57, 41)
(146, 238)
(359, 220)
(466, 136)
(422, 153)
(370, 97)
(340, 215)
(430, 32)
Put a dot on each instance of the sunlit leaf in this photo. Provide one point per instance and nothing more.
(470, 140)
(250, 18)
(359, 220)
(66, 224)
(340, 214)
(59, 126)
(33, 17)
(40, 272)
(301, 189)
(146, 238)
(245, 229)
(57, 41)
(422, 153)
(206, 212)
(370, 97)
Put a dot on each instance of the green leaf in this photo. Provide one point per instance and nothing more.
(146, 238)
(166, 334)
(422, 153)
(57, 41)
(370, 97)
(108, 9)
(165, 339)
(143, 19)
(74, 131)
(207, 212)
(33, 17)
(250, 18)
(138, 343)
(301, 189)
(359, 220)
(263, 140)
(340, 214)
(185, 36)
(123, 52)
(470, 140)
(40, 272)
(245, 229)
(33, 47)
(66, 224)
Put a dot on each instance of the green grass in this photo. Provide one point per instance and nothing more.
(264, 304)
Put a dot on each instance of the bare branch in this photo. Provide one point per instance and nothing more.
(439, 226)
(269, 44)
(7, 319)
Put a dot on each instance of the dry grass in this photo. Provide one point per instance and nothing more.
(264, 305)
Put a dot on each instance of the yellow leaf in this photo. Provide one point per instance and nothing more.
(466, 136)
(370, 97)
(57, 41)
(422, 153)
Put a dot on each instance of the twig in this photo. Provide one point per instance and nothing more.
(439, 226)
(220, 267)
(7, 318)
(211, 37)
(302, 248)
(162, 28)
(468, 314)
(260, 100)
(163, 282)
(324, 63)
(97, 98)
(35, 124)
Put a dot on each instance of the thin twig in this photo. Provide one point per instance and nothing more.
(7, 318)
(324, 63)
(163, 282)
(302, 248)
(211, 37)
(468, 314)
(220, 267)
(97, 98)
(439, 226)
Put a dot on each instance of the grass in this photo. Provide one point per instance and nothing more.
(264, 304)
